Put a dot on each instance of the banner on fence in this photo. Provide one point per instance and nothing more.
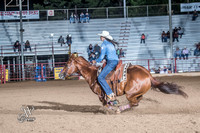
(6, 74)
(50, 12)
(189, 7)
(15, 15)
(57, 70)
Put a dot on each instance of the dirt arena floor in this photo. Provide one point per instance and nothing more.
(71, 107)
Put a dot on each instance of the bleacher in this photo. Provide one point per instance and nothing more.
(83, 34)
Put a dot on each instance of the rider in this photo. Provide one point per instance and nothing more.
(108, 49)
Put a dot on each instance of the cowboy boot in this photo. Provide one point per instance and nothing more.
(111, 99)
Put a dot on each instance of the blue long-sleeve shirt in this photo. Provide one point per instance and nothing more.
(108, 49)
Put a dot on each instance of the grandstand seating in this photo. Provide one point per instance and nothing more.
(38, 32)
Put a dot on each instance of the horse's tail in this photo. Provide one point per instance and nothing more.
(167, 88)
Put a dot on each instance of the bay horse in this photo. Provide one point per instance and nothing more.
(139, 81)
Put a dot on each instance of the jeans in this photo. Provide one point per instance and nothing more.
(176, 39)
(177, 55)
(87, 19)
(72, 20)
(111, 64)
(142, 40)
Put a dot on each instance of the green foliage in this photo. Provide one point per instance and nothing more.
(70, 4)
(38, 6)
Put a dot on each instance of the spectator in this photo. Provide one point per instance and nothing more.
(82, 17)
(175, 36)
(87, 17)
(168, 34)
(90, 50)
(177, 53)
(197, 50)
(165, 69)
(121, 52)
(17, 45)
(92, 57)
(76, 18)
(61, 40)
(195, 15)
(27, 45)
(142, 38)
(69, 39)
(164, 37)
(97, 50)
(180, 31)
(185, 53)
(175, 30)
(158, 70)
(72, 19)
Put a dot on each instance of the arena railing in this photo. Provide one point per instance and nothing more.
(46, 71)
(36, 49)
(112, 12)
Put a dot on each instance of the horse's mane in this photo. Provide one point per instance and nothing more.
(83, 61)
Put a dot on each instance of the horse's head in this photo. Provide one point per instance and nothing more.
(69, 68)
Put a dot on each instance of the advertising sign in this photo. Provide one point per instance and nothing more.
(57, 70)
(50, 12)
(15, 15)
(189, 7)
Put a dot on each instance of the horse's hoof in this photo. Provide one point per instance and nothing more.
(118, 111)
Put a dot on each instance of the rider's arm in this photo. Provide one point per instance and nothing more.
(103, 52)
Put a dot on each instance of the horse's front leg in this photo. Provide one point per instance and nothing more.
(133, 102)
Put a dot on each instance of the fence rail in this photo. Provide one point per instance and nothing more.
(36, 49)
(112, 12)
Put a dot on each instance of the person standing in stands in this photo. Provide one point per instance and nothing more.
(142, 38)
(195, 15)
(69, 39)
(61, 40)
(69, 42)
(175, 36)
(108, 49)
(164, 37)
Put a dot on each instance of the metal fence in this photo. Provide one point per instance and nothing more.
(112, 12)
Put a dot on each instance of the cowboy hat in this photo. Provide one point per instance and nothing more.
(106, 34)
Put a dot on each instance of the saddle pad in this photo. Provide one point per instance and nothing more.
(124, 74)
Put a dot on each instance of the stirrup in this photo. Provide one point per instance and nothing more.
(111, 97)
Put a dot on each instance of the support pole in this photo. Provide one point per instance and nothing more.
(125, 9)
(21, 35)
(170, 30)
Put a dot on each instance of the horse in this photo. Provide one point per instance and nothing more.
(139, 81)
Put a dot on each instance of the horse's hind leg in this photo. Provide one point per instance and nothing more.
(134, 101)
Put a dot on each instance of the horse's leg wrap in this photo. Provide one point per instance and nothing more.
(124, 107)
(113, 103)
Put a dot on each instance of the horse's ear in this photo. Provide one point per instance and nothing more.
(72, 56)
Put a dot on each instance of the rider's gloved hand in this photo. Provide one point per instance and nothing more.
(93, 62)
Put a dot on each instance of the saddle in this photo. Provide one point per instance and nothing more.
(116, 76)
